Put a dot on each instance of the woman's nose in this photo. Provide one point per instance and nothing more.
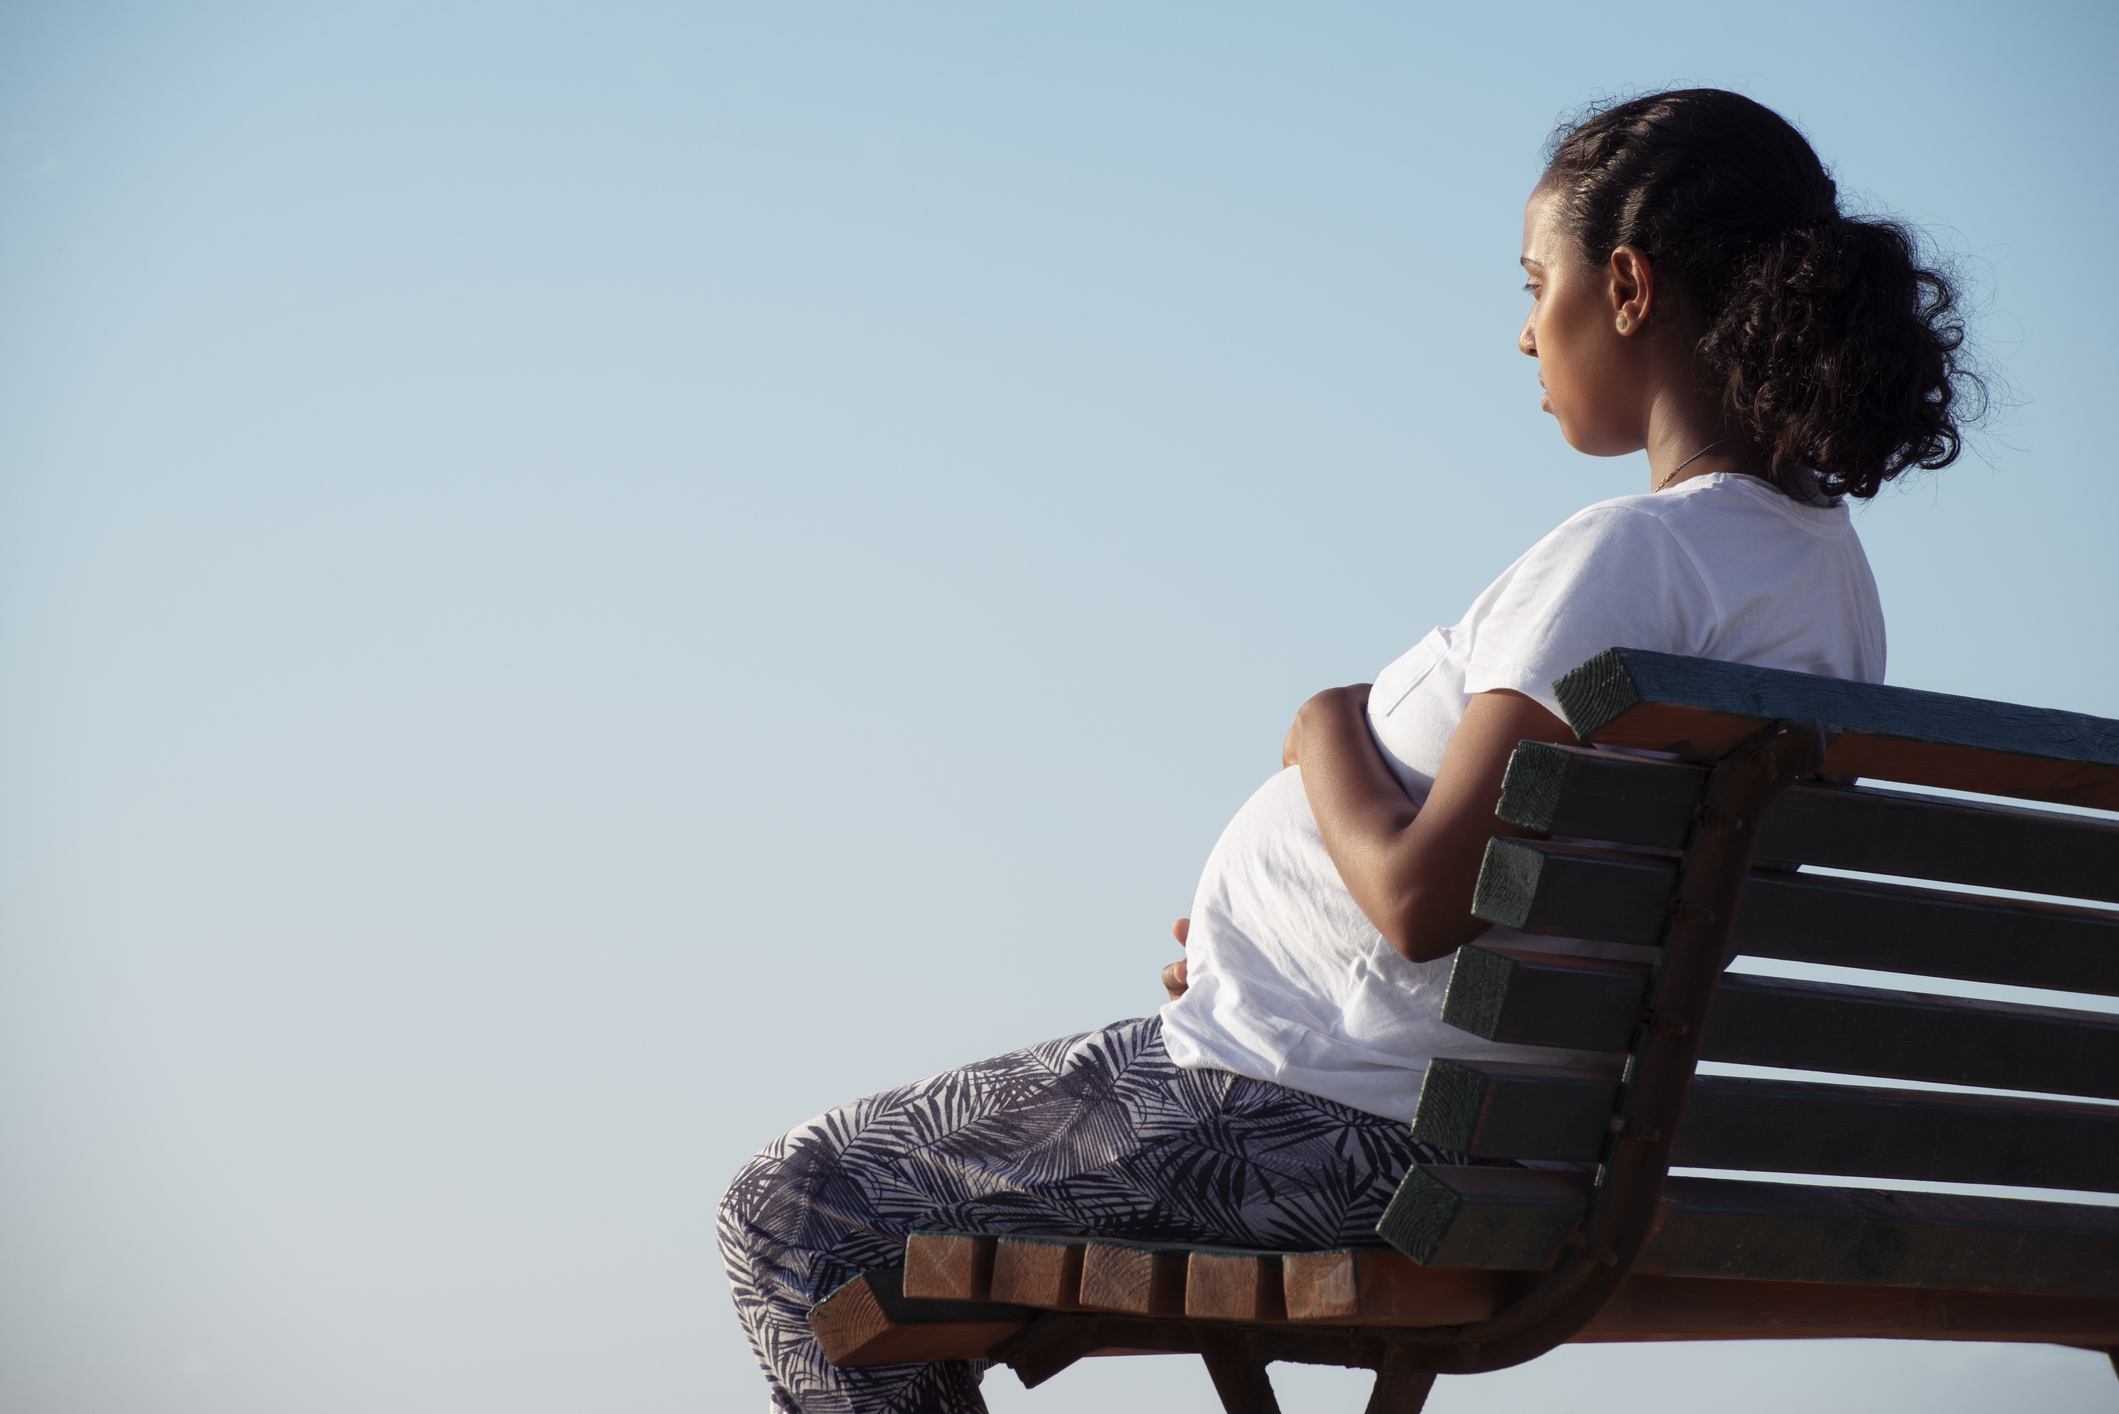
(1526, 341)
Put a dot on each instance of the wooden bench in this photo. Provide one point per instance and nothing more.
(1688, 854)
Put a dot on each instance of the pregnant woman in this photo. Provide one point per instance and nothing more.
(1695, 292)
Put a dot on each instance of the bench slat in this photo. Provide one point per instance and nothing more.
(1697, 707)
(1536, 886)
(1134, 1278)
(949, 1266)
(1361, 1288)
(1539, 999)
(1520, 997)
(1705, 1308)
(1518, 1219)
(1045, 1272)
(1384, 1289)
(1491, 1110)
(870, 1321)
(1594, 795)
(1234, 1286)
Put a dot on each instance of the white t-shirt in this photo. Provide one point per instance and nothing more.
(1289, 980)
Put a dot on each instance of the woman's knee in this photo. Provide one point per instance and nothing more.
(744, 1219)
(798, 1200)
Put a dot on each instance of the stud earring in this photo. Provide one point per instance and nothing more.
(1622, 324)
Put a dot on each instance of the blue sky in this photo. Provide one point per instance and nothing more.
(579, 584)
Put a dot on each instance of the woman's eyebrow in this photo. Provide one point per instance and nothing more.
(1526, 262)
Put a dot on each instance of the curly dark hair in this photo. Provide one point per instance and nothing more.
(1829, 343)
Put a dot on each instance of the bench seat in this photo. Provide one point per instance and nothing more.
(1680, 826)
(944, 1304)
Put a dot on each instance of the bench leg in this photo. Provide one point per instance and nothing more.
(1239, 1376)
(1402, 1384)
(1057, 1339)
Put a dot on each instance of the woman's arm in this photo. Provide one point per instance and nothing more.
(1411, 868)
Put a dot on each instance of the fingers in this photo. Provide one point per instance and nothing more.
(1176, 979)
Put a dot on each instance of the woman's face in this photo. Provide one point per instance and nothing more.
(1590, 375)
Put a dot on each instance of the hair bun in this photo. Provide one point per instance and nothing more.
(1832, 347)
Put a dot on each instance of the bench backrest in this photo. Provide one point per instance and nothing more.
(1599, 877)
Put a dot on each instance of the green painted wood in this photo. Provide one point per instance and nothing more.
(1895, 1035)
(1929, 932)
(1595, 795)
(1535, 886)
(1528, 998)
(1495, 1111)
(1572, 891)
(1454, 1216)
(1489, 1110)
(1517, 1219)
(1697, 707)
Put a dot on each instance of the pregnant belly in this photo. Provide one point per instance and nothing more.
(1275, 933)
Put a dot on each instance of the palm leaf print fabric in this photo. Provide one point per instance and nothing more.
(1100, 1134)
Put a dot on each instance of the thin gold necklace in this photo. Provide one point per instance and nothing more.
(1685, 463)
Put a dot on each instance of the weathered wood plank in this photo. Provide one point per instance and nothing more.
(870, 1321)
(1929, 932)
(949, 1266)
(1535, 886)
(1489, 1110)
(1399, 1292)
(1573, 891)
(1594, 795)
(1517, 1219)
(1911, 1036)
(1320, 1286)
(1493, 1111)
(1781, 1126)
(1520, 997)
(1706, 1308)
(1697, 707)
(1394, 1290)
(1045, 1272)
(1457, 1216)
(1537, 999)
(1234, 1286)
(1136, 1278)
(1358, 1287)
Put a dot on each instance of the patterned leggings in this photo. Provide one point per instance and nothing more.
(1097, 1134)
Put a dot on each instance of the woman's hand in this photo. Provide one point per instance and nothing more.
(1411, 868)
(1175, 981)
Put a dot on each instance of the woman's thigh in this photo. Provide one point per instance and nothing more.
(1096, 1134)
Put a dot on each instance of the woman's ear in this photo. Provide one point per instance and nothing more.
(1632, 288)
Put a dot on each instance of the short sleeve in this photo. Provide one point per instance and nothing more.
(1612, 576)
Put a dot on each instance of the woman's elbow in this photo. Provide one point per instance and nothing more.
(1421, 948)
(1427, 933)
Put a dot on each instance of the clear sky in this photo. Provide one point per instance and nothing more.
(579, 583)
